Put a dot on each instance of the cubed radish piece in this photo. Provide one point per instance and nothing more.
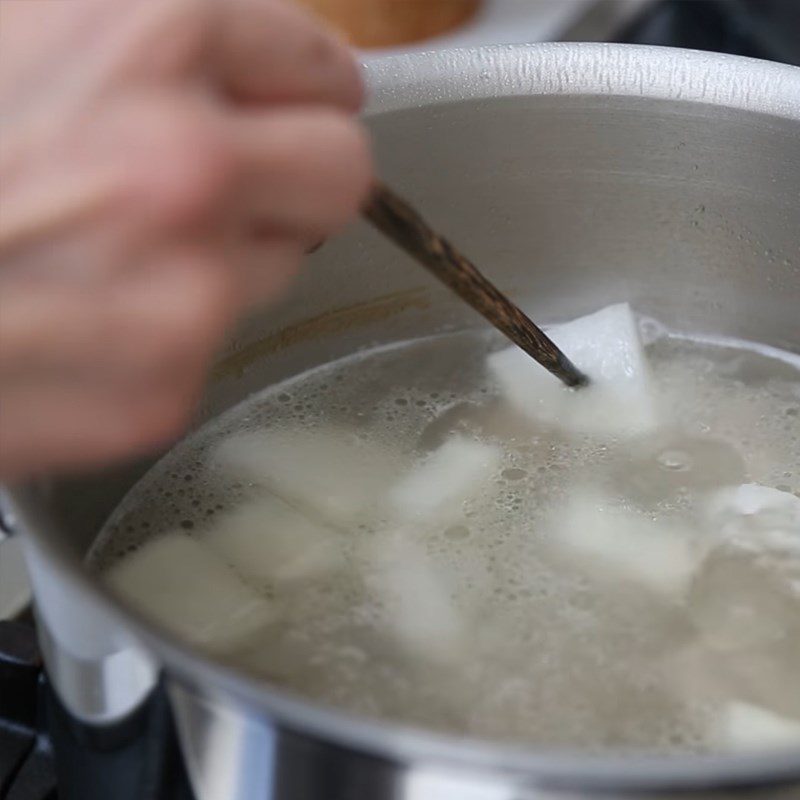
(746, 594)
(416, 598)
(435, 490)
(759, 514)
(267, 540)
(331, 473)
(181, 584)
(601, 537)
(607, 347)
(742, 726)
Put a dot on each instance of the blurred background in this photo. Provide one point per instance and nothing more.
(768, 29)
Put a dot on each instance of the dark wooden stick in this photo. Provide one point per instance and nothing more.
(394, 217)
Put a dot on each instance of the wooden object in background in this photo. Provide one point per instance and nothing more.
(388, 23)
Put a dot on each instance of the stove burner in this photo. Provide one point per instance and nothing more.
(47, 755)
(27, 770)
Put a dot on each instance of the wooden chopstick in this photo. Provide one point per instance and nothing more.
(398, 220)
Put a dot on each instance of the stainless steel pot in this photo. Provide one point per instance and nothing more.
(576, 175)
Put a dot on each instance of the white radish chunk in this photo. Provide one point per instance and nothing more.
(599, 536)
(267, 540)
(757, 514)
(607, 347)
(742, 726)
(746, 595)
(416, 598)
(435, 490)
(181, 584)
(331, 473)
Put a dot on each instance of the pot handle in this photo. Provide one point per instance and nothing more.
(7, 519)
(15, 591)
(98, 670)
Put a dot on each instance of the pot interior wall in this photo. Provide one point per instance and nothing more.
(690, 212)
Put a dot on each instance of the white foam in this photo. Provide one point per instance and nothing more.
(182, 584)
(606, 346)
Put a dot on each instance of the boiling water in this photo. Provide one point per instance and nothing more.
(553, 646)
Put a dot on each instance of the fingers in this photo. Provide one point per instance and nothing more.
(266, 265)
(171, 167)
(87, 376)
(271, 51)
(134, 327)
(262, 51)
(144, 213)
(174, 156)
(95, 376)
(181, 163)
(84, 203)
(305, 171)
(69, 427)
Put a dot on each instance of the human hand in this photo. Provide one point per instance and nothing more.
(163, 165)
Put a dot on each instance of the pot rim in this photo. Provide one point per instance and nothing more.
(565, 68)
(435, 78)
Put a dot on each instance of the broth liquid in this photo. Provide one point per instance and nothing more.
(556, 656)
